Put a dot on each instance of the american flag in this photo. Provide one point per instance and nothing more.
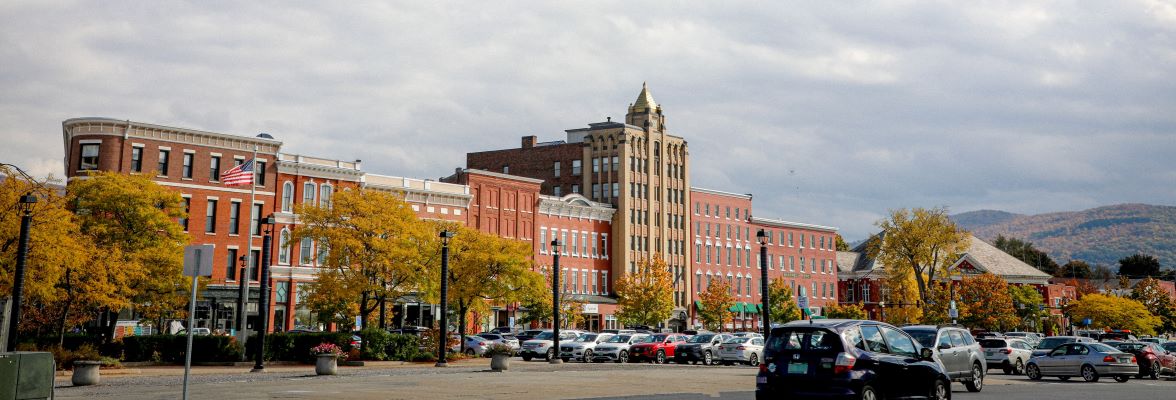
(239, 175)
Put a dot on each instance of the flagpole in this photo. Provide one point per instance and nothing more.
(242, 333)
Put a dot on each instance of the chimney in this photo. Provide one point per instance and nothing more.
(528, 142)
(609, 119)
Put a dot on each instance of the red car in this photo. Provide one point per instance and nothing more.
(658, 347)
(1153, 360)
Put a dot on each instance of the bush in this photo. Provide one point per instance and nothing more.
(170, 348)
(296, 346)
(403, 347)
(65, 357)
(375, 344)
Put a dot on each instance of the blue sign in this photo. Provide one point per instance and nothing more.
(1087, 322)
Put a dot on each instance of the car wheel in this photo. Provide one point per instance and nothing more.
(587, 355)
(661, 357)
(526, 358)
(469, 352)
(1122, 378)
(1089, 374)
(977, 382)
(1019, 368)
(753, 361)
(869, 393)
(623, 357)
(706, 358)
(1033, 372)
(1155, 370)
(941, 391)
(550, 355)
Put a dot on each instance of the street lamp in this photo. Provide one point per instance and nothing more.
(242, 300)
(555, 302)
(22, 255)
(264, 297)
(765, 318)
(445, 235)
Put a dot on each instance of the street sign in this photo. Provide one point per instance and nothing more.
(953, 313)
(1087, 322)
(198, 260)
(802, 302)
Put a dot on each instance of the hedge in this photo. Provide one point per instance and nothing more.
(170, 348)
(296, 346)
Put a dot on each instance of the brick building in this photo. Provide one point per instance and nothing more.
(723, 245)
(583, 226)
(804, 256)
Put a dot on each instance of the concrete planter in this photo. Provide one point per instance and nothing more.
(85, 373)
(500, 362)
(326, 364)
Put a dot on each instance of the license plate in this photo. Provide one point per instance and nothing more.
(761, 379)
(798, 368)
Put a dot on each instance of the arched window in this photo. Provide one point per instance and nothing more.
(287, 196)
(325, 195)
(308, 193)
(283, 243)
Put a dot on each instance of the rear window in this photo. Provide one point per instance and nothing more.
(993, 343)
(814, 340)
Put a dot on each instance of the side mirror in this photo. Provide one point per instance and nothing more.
(927, 354)
(944, 346)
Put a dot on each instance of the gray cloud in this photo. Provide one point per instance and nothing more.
(828, 113)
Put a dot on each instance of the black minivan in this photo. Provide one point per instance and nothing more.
(849, 359)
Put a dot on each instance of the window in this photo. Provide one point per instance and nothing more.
(231, 265)
(576, 167)
(575, 243)
(595, 165)
(801, 264)
(865, 291)
(284, 247)
(214, 169)
(584, 281)
(186, 172)
(849, 293)
(790, 242)
(308, 193)
(210, 217)
(89, 159)
(288, 197)
(136, 159)
(162, 161)
(556, 191)
(616, 163)
(255, 221)
(326, 193)
(563, 239)
(575, 188)
(281, 292)
(594, 282)
(254, 262)
(305, 250)
(234, 217)
(187, 213)
(324, 251)
(822, 247)
(596, 191)
(696, 208)
(873, 339)
(604, 282)
(543, 240)
(616, 190)
(899, 343)
(260, 172)
(595, 253)
(506, 169)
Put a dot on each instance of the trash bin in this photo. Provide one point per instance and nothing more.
(26, 375)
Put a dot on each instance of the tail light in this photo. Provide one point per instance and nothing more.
(1132, 358)
(1006, 351)
(763, 367)
(844, 363)
(1112, 359)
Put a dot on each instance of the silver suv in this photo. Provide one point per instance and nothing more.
(962, 357)
(581, 349)
(616, 349)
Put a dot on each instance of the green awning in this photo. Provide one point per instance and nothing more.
(737, 307)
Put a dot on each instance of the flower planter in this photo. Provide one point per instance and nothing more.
(85, 373)
(326, 364)
(500, 362)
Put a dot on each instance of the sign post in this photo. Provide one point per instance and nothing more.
(197, 263)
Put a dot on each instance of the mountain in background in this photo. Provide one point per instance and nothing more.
(1100, 235)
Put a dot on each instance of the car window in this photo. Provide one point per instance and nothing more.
(1076, 350)
(873, 338)
(899, 343)
(854, 337)
(757, 342)
(957, 339)
(926, 337)
(968, 339)
(945, 339)
(995, 343)
(822, 341)
(788, 341)
(1060, 351)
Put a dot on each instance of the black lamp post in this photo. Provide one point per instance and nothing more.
(555, 303)
(263, 298)
(442, 341)
(22, 255)
(242, 301)
(765, 318)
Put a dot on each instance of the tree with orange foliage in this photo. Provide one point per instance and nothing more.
(716, 304)
(986, 303)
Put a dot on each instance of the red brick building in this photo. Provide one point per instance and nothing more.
(583, 227)
(724, 242)
(804, 256)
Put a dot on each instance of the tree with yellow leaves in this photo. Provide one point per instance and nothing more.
(783, 307)
(1109, 311)
(901, 297)
(848, 311)
(716, 302)
(373, 249)
(918, 245)
(645, 297)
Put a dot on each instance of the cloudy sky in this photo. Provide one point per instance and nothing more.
(829, 112)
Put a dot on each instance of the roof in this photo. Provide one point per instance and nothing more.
(746, 196)
(846, 260)
(644, 100)
(779, 223)
(988, 258)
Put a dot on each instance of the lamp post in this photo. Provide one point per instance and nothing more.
(22, 255)
(445, 235)
(264, 297)
(765, 318)
(555, 302)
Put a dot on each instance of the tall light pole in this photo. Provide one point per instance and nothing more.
(555, 302)
(22, 255)
(765, 318)
(242, 301)
(444, 339)
(264, 296)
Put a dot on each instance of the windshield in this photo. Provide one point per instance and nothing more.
(739, 340)
(701, 339)
(1050, 343)
(619, 339)
(544, 335)
(653, 339)
(587, 338)
(924, 337)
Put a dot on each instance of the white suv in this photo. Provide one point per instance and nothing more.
(1008, 354)
(582, 348)
(540, 346)
(616, 349)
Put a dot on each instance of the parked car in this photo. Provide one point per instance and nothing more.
(657, 348)
(195, 332)
(505, 330)
(1050, 343)
(581, 349)
(1117, 335)
(528, 335)
(1155, 340)
(1153, 360)
(1088, 360)
(1170, 346)
(541, 345)
(409, 330)
(503, 339)
(848, 359)
(619, 331)
(962, 357)
(616, 349)
(744, 350)
(474, 345)
(1032, 338)
(702, 347)
(1010, 355)
(747, 334)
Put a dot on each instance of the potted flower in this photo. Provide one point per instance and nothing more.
(327, 356)
(500, 355)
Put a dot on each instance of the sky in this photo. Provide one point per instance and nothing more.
(830, 113)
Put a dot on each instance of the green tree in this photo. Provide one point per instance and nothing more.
(1027, 301)
(646, 296)
(782, 305)
(918, 245)
(1074, 269)
(986, 303)
(841, 245)
(1156, 300)
(130, 224)
(1108, 311)
(716, 302)
(1139, 265)
(1025, 251)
